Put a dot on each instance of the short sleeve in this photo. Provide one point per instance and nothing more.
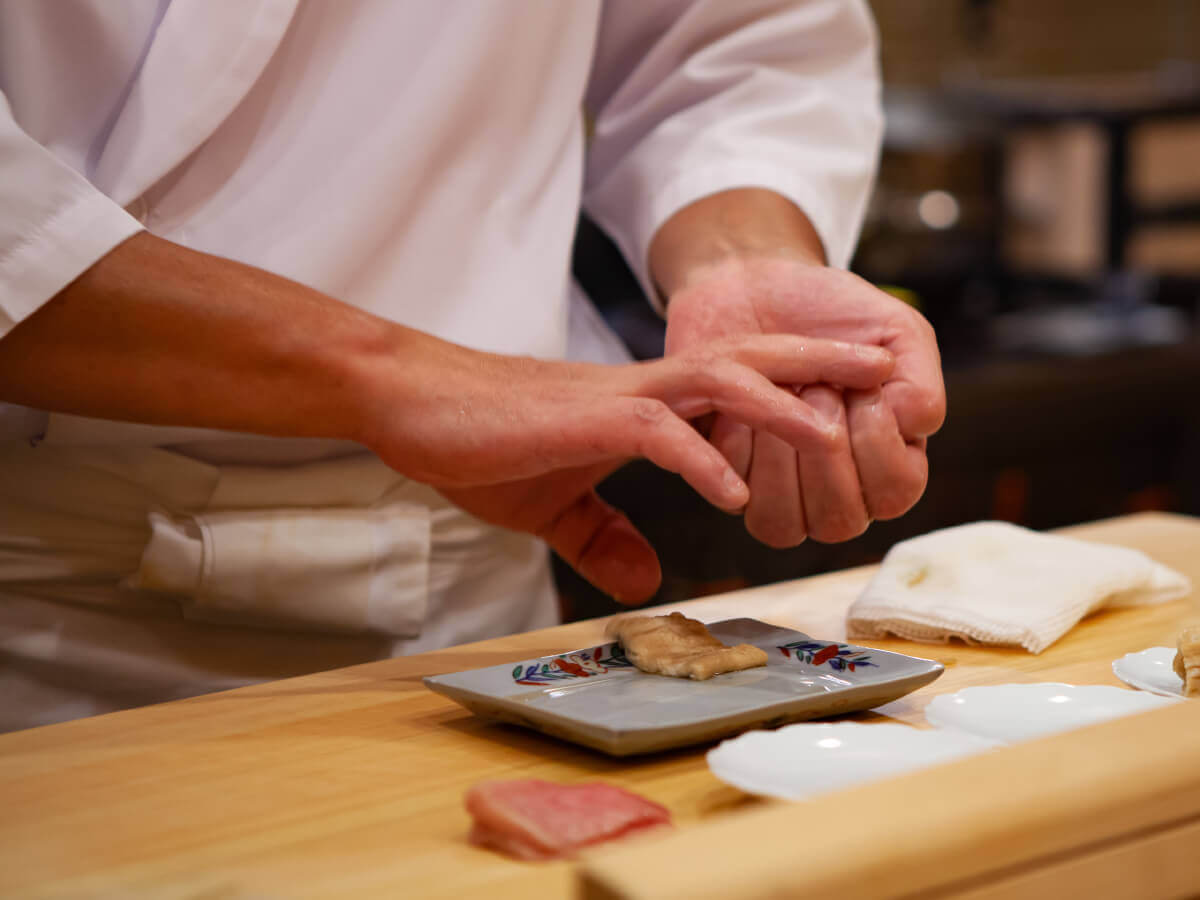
(53, 223)
(691, 98)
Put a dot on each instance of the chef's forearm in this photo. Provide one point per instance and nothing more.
(160, 334)
(725, 227)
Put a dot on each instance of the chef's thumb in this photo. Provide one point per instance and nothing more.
(602, 545)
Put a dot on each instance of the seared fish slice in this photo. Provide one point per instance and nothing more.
(679, 646)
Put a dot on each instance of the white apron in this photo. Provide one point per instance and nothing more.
(170, 577)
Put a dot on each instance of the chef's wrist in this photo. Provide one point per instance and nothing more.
(730, 228)
(377, 372)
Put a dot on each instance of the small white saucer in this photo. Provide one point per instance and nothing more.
(1150, 670)
(1019, 712)
(800, 761)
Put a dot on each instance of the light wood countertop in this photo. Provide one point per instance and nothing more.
(349, 783)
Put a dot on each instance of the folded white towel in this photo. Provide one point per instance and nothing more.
(996, 583)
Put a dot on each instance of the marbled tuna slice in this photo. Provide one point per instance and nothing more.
(533, 819)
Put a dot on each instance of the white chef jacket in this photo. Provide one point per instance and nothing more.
(424, 161)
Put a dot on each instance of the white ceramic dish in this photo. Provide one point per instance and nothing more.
(1150, 670)
(1019, 712)
(801, 761)
(596, 697)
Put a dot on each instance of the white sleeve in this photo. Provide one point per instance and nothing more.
(53, 223)
(691, 98)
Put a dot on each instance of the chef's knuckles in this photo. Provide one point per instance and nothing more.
(839, 524)
(895, 500)
(776, 529)
(649, 410)
(919, 413)
(899, 488)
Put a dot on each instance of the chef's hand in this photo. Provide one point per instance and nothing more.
(563, 509)
(748, 262)
(522, 443)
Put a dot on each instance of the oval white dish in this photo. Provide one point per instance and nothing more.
(800, 761)
(1150, 670)
(1019, 712)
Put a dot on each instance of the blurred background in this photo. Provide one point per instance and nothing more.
(1039, 201)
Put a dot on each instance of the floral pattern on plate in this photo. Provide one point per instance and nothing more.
(580, 664)
(839, 657)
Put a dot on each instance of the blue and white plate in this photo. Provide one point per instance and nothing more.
(596, 697)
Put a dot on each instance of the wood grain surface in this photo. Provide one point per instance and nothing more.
(1108, 811)
(349, 783)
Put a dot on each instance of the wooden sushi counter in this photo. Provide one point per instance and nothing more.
(349, 783)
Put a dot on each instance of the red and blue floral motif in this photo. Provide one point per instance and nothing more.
(581, 664)
(840, 657)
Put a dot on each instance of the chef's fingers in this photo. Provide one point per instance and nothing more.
(734, 441)
(833, 495)
(918, 412)
(725, 372)
(630, 427)
(893, 471)
(603, 546)
(742, 393)
(775, 514)
(591, 430)
(916, 391)
(801, 359)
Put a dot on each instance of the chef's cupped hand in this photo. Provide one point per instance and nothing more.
(764, 273)
(522, 443)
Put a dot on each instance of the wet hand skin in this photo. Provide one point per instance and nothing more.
(766, 275)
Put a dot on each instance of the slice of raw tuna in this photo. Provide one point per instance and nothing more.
(533, 819)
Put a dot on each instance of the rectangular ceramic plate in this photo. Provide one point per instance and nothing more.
(597, 698)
